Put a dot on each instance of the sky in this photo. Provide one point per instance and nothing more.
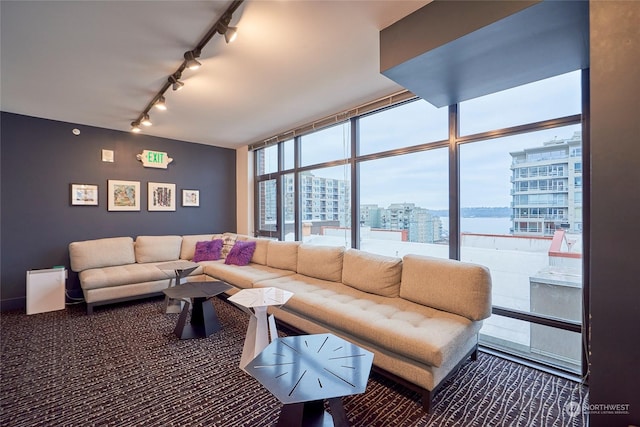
(422, 178)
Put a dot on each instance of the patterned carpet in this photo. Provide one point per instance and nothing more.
(123, 366)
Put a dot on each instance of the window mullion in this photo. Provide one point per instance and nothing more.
(454, 184)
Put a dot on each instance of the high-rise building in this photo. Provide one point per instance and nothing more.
(322, 199)
(420, 224)
(547, 188)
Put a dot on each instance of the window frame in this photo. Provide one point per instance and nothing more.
(453, 143)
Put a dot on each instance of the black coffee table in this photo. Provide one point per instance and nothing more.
(204, 320)
(177, 271)
(302, 371)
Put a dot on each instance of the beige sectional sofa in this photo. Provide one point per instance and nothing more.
(420, 316)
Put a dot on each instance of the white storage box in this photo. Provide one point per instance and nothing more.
(45, 290)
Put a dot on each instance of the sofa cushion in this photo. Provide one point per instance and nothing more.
(321, 262)
(283, 255)
(157, 248)
(188, 248)
(101, 253)
(244, 277)
(208, 250)
(376, 274)
(241, 253)
(118, 275)
(454, 286)
(421, 333)
(260, 254)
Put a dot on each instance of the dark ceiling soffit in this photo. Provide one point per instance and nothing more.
(540, 41)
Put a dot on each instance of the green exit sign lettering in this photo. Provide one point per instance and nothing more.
(154, 159)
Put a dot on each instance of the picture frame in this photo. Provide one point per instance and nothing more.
(123, 195)
(84, 195)
(191, 198)
(161, 196)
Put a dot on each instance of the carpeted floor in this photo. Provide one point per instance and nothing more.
(123, 366)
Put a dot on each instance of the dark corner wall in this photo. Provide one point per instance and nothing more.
(615, 207)
(41, 158)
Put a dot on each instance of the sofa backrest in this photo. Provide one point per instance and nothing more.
(283, 255)
(188, 247)
(449, 285)
(321, 262)
(157, 248)
(100, 253)
(376, 274)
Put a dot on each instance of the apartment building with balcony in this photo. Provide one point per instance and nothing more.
(321, 199)
(546, 189)
(421, 226)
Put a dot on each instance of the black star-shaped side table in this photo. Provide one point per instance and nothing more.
(204, 320)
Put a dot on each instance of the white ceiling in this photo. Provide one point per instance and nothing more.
(99, 63)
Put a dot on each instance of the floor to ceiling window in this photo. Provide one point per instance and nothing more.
(383, 182)
(532, 241)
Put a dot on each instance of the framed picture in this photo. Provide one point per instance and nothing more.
(162, 196)
(84, 195)
(124, 195)
(190, 197)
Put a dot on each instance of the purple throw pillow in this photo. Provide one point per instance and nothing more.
(209, 250)
(241, 252)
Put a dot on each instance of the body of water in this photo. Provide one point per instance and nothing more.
(482, 225)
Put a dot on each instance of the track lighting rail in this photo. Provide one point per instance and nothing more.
(221, 26)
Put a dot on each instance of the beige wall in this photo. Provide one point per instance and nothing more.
(244, 182)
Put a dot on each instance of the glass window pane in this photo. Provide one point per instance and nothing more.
(519, 219)
(267, 160)
(267, 209)
(541, 343)
(325, 145)
(288, 154)
(326, 206)
(414, 123)
(289, 207)
(543, 100)
(403, 203)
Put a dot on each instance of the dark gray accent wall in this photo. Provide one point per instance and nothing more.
(615, 207)
(41, 158)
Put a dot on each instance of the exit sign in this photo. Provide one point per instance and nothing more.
(154, 159)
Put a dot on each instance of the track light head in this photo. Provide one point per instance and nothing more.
(190, 59)
(174, 79)
(146, 121)
(230, 33)
(135, 127)
(160, 104)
